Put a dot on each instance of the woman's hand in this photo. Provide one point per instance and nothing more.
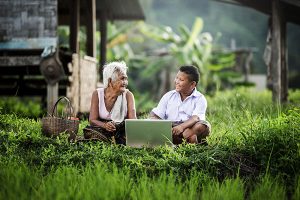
(110, 126)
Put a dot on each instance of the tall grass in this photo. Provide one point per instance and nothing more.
(17, 181)
(92, 182)
(102, 182)
(296, 191)
(252, 142)
(268, 188)
(228, 189)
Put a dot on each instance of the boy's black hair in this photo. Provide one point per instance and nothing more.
(192, 71)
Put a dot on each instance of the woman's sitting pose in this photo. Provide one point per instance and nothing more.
(111, 105)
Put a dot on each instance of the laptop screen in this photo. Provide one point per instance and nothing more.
(148, 132)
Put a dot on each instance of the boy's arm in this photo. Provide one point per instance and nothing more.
(187, 124)
(159, 112)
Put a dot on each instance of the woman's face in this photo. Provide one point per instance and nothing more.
(121, 82)
(183, 84)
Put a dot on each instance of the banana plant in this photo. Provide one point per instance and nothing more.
(118, 38)
(192, 46)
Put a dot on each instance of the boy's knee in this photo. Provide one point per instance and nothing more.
(201, 130)
(193, 139)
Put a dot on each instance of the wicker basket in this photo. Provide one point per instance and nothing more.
(52, 126)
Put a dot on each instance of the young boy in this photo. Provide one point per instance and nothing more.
(186, 107)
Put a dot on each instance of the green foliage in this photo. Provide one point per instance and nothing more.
(268, 188)
(294, 97)
(118, 47)
(24, 107)
(252, 142)
(17, 181)
(192, 47)
(296, 191)
(151, 73)
(229, 189)
(246, 26)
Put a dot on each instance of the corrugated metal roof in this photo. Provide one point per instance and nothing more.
(291, 8)
(115, 10)
(123, 9)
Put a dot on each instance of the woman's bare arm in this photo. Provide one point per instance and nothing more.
(94, 111)
(131, 112)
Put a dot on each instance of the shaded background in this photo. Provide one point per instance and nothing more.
(247, 27)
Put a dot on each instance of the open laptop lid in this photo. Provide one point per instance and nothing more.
(148, 132)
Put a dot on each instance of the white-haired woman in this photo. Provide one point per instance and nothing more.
(111, 105)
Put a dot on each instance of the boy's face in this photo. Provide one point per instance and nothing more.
(183, 84)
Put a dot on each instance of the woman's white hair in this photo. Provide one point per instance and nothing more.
(112, 70)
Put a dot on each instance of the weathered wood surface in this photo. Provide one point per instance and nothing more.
(82, 82)
(74, 26)
(278, 57)
(19, 61)
(91, 28)
(52, 96)
(28, 24)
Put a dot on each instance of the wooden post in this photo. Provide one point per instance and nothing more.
(74, 25)
(284, 62)
(103, 32)
(248, 59)
(52, 96)
(276, 51)
(91, 28)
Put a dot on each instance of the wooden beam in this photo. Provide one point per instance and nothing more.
(20, 61)
(292, 2)
(284, 60)
(279, 70)
(248, 59)
(91, 28)
(276, 51)
(52, 96)
(74, 25)
(28, 91)
(103, 33)
(15, 91)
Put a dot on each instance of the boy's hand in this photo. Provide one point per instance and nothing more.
(177, 130)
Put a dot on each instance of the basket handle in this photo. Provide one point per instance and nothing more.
(70, 108)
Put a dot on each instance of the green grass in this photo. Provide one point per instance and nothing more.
(23, 106)
(268, 188)
(253, 153)
(228, 189)
(100, 181)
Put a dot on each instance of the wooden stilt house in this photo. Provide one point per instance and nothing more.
(281, 12)
(31, 63)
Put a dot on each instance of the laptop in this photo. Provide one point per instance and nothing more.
(148, 132)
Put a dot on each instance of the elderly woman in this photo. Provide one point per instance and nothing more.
(111, 105)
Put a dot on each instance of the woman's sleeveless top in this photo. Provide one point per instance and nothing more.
(103, 113)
